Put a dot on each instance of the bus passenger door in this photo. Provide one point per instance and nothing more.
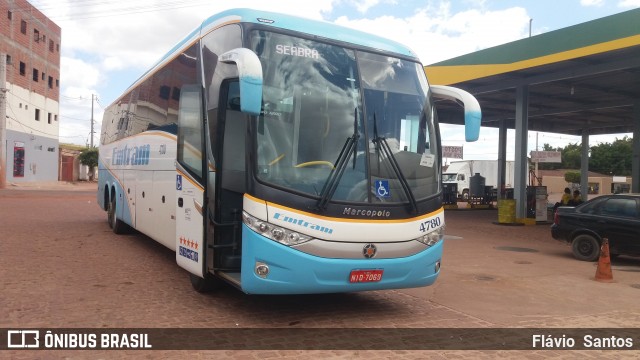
(190, 180)
(230, 182)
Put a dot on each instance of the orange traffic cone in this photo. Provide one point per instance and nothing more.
(603, 272)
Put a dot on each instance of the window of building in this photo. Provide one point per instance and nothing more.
(165, 91)
(51, 45)
(57, 83)
(49, 118)
(50, 82)
(37, 117)
(23, 27)
(9, 15)
(9, 61)
(36, 35)
(51, 149)
(35, 75)
(55, 117)
(23, 68)
(175, 95)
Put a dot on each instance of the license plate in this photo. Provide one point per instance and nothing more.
(358, 276)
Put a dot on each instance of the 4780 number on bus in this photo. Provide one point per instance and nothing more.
(430, 224)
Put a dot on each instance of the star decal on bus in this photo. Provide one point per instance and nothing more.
(189, 243)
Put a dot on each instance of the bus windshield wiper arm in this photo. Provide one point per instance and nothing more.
(331, 184)
(381, 143)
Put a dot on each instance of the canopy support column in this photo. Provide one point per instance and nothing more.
(521, 163)
(635, 162)
(584, 166)
(502, 159)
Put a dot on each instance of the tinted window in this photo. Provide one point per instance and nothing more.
(149, 105)
(233, 154)
(190, 129)
(213, 45)
(619, 207)
(591, 207)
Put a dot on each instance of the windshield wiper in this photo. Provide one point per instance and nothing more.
(350, 146)
(381, 143)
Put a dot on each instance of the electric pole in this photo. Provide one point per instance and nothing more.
(3, 120)
(92, 96)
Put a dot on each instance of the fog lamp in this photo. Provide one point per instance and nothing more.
(262, 269)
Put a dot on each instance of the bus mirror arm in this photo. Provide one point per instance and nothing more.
(250, 74)
(472, 112)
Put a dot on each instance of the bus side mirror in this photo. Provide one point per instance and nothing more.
(250, 73)
(472, 112)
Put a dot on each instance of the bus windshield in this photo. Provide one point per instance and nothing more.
(318, 97)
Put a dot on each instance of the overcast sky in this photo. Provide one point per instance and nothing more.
(106, 45)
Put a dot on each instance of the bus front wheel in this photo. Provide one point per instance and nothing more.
(206, 284)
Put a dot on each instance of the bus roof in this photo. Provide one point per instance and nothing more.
(318, 28)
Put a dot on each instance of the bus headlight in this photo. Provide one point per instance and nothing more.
(273, 232)
(433, 237)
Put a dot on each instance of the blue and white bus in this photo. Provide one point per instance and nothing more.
(284, 156)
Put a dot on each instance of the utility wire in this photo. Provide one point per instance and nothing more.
(79, 98)
(57, 5)
(34, 129)
(72, 118)
(115, 9)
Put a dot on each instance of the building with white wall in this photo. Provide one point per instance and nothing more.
(31, 42)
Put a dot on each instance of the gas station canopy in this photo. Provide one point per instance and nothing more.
(584, 77)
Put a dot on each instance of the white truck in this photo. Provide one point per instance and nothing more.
(460, 172)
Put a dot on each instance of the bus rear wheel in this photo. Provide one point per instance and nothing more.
(117, 225)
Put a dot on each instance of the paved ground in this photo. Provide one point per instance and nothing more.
(63, 267)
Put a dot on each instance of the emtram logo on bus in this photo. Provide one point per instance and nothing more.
(302, 222)
(137, 155)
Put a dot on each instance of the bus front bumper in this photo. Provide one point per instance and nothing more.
(291, 271)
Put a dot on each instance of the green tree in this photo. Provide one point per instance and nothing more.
(612, 158)
(572, 177)
(89, 157)
(571, 156)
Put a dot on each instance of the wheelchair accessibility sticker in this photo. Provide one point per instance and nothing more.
(382, 188)
(178, 182)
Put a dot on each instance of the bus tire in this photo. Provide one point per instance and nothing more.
(117, 225)
(204, 285)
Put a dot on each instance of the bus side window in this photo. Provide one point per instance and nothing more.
(190, 130)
